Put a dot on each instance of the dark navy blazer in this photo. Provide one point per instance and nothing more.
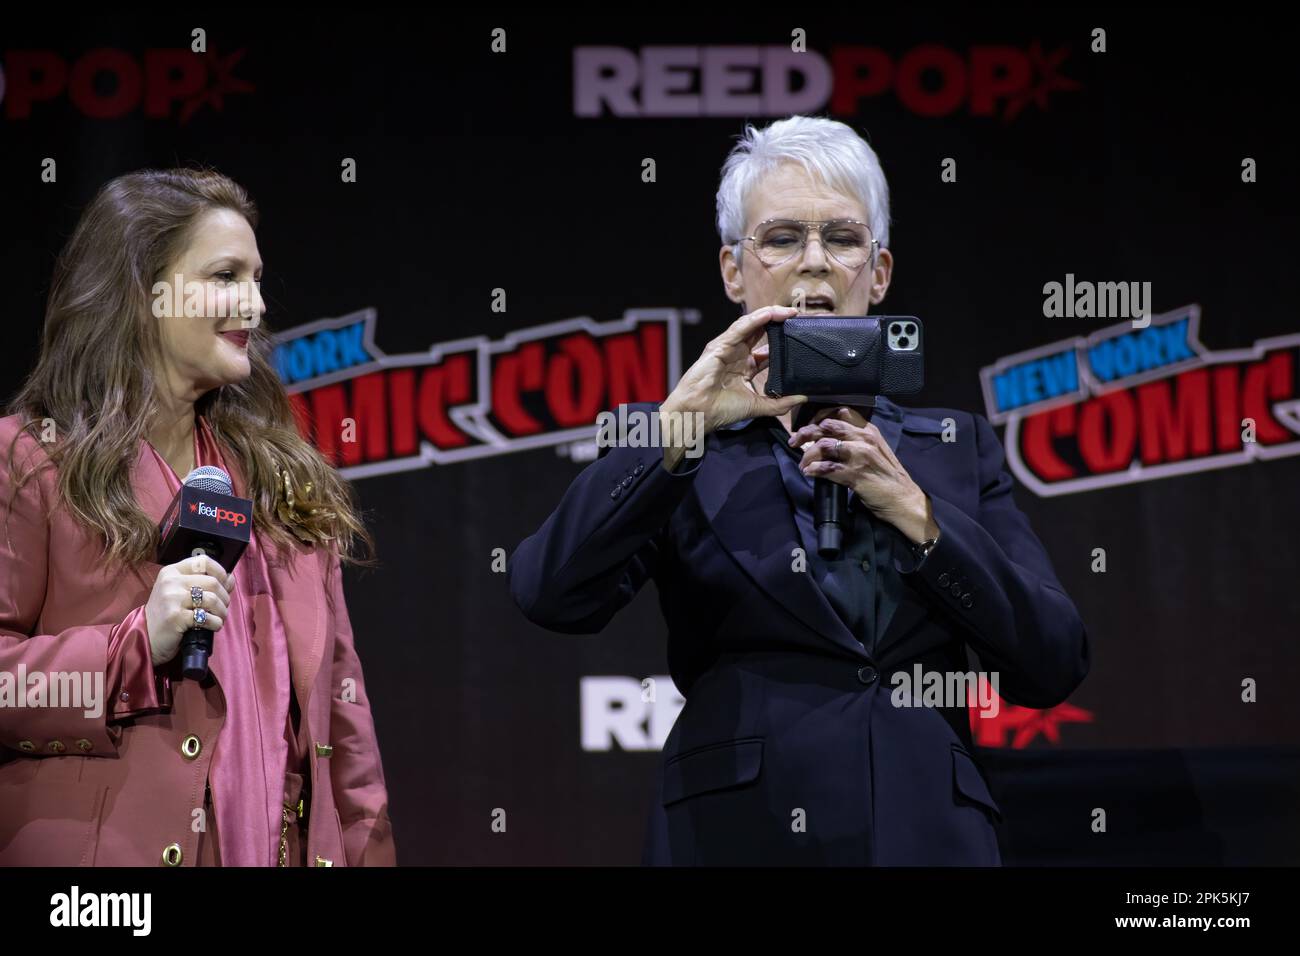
(788, 749)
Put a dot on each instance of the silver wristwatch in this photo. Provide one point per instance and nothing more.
(922, 550)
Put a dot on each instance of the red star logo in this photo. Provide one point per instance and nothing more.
(193, 506)
(1023, 723)
(220, 82)
(1045, 79)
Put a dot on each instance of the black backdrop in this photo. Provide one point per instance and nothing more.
(475, 174)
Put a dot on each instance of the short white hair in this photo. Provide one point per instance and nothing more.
(827, 148)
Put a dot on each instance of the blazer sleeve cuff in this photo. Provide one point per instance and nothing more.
(134, 686)
(951, 569)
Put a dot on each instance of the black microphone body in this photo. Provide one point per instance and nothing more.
(204, 518)
(830, 501)
(196, 644)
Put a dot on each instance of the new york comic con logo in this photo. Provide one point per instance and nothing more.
(1126, 405)
(372, 413)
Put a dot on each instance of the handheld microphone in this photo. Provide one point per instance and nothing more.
(204, 518)
(830, 500)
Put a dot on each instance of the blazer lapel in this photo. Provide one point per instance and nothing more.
(297, 588)
(154, 495)
(152, 490)
(746, 503)
(909, 440)
(296, 580)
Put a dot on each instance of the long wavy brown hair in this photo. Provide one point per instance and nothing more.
(96, 380)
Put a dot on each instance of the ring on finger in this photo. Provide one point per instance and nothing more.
(196, 596)
(838, 443)
(200, 617)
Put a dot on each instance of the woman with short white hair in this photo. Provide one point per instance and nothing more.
(791, 749)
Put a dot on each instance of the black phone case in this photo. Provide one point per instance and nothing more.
(842, 358)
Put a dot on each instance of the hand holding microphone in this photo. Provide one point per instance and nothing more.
(169, 612)
(857, 456)
(204, 533)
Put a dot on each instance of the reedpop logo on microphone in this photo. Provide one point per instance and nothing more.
(220, 514)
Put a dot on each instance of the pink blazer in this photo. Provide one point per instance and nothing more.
(120, 787)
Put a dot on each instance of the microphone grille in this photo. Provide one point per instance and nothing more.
(209, 478)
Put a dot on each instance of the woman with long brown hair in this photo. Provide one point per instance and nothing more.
(152, 363)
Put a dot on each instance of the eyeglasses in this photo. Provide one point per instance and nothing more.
(848, 241)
